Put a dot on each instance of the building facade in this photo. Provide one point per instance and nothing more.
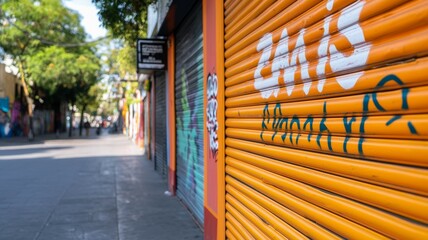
(295, 119)
(12, 113)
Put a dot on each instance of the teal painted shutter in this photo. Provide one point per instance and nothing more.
(190, 113)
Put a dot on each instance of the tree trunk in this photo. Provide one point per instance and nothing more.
(81, 120)
(29, 101)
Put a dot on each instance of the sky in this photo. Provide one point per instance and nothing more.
(90, 21)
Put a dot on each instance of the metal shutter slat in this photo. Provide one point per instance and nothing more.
(325, 106)
(189, 113)
(295, 221)
(160, 124)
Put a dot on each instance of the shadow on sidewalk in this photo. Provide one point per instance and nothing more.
(102, 197)
(41, 139)
(14, 152)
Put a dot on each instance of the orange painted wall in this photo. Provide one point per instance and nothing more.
(213, 103)
(210, 157)
(172, 184)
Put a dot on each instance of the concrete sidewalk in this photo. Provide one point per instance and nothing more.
(86, 188)
(5, 141)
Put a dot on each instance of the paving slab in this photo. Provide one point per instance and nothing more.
(86, 188)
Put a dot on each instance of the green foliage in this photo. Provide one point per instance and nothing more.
(126, 19)
(109, 50)
(127, 60)
(35, 33)
(53, 70)
(119, 60)
(147, 85)
(91, 99)
(30, 24)
(130, 92)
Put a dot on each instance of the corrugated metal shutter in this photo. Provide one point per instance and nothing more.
(189, 113)
(160, 124)
(326, 119)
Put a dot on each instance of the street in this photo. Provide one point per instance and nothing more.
(86, 188)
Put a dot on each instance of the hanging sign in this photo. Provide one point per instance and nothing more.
(151, 54)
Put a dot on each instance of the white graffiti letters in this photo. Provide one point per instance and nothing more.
(261, 82)
(212, 123)
(291, 62)
(355, 35)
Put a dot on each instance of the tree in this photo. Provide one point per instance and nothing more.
(28, 26)
(127, 60)
(64, 75)
(89, 100)
(119, 62)
(55, 69)
(126, 19)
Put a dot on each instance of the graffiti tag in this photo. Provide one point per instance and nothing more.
(212, 123)
(292, 127)
(289, 61)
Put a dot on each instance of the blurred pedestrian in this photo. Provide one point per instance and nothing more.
(98, 131)
(87, 125)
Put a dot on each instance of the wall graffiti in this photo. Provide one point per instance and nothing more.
(5, 125)
(189, 112)
(212, 123)
(5, 122)
(287, 62)
(309, 131)
(189, 129)
(186, 133)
